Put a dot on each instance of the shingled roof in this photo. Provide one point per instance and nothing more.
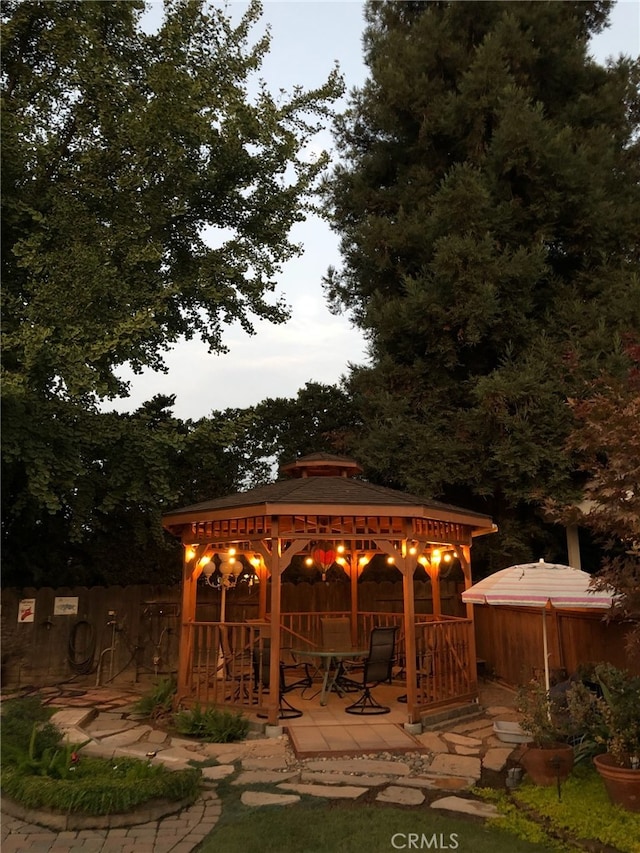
(326, 490)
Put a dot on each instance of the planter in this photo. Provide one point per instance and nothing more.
(622, 783)
(548, 765)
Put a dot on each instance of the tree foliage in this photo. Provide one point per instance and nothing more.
(147, 197)
(606, 440)
(487, 203)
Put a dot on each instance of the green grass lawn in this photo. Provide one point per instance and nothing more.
(327, 826)
(320, 827)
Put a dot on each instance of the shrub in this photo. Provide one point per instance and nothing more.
(159, 702)
(27, 733)
(211, 725)
(99, 787)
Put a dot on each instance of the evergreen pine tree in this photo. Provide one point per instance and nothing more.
(488, 204)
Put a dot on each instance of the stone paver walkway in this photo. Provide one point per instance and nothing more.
(450, 759)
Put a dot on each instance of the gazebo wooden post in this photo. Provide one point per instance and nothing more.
(408, 571)
(274, 654)
(434, 574)
(353, 574)
(464, 554)
(263, 575)
(191, 571)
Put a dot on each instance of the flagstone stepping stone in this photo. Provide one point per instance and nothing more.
(472, 727)
(372, 781)
(332, 792)
(401, 796)
(462, 740)
(472, 807)
(262, 798)
(365, 765)
(466, 750)
(254, 777)
(125, 738)
(252, 763)
(69, 718)
(433, 742)
(220, 771)
(496, 758)
(439, 783)
(456, 765)
(499, 710)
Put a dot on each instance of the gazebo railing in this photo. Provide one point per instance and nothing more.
(222, 671)
(445, 670)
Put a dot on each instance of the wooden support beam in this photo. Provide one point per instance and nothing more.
(191, 571)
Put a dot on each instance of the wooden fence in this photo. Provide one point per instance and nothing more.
(131, 632)
(509, 640)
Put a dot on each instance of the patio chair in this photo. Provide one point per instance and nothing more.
(262, 676)
(336, 634)
(377, 668)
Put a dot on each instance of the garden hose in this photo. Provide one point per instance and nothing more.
(81, 665)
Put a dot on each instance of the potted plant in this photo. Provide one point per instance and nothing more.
(609, 718)
(548, 758)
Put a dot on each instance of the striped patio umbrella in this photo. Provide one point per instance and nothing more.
(538, 585)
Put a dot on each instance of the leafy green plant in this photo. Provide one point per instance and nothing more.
(52, 761)
(583, 812)
(542, 716)
(211, 724)
(27, 733)
(608, 719)
(98, 786)
(157, 704)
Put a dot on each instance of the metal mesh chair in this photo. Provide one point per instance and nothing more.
(262, 668)
(377, 668)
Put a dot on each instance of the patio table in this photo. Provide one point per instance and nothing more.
(331, 664)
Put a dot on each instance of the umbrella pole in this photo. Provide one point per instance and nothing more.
(545, 648)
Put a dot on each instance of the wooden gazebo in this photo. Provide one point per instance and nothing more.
(322, 504)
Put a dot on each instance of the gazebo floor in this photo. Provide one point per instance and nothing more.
(324, 731)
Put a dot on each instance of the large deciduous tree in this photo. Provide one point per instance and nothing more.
(147, 196)
(488, 203)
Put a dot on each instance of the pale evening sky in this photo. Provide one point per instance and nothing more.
(307, 39)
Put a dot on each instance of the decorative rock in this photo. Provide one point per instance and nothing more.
(401, 795)
(496, 758)
(472, 807)
(456, 765)
(260, 798)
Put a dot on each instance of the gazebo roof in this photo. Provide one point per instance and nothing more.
(335, 491)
